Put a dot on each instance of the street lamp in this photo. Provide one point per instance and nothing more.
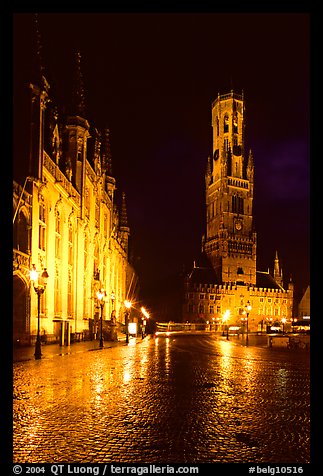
(226, 317)
(128, 305)
(39, 287)
(248, 309)
(284, 321)
(113, 296)
(145, 315)
(100, 295)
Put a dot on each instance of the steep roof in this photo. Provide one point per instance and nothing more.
(265, 280)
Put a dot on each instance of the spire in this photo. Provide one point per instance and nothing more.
(78, 98)
(106, 152)
(123, 216)
(123, 223)
(37, 61)
(278, 274)
(276, 266)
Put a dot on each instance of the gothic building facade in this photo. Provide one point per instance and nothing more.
(67, 221)
(225, 286)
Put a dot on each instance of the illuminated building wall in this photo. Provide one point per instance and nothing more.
(68, 222)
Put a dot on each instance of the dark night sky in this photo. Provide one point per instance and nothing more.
(152, 78)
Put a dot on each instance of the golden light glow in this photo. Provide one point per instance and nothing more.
(132, 328)
(145, 313)
(226, 315)
(100, 294)
(33, 273)
(128, 304)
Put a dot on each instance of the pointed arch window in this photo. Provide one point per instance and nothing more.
(57, 293)
(70, 244)
(70, 294)
(96, 262)
(21, 233)
(42, 225)
(226, 124)
(97, 213)
(58, 237)
(86, 248)
(235, 124)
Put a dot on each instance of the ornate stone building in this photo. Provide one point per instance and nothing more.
(225, 286)
(67, 221)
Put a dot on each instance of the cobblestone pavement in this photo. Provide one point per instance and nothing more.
(185, 399)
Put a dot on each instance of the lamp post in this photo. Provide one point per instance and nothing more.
(226, 317)
(100, 295)
(283, 322)
(113, 296)
(248, 309)
(145, 316)
(39, 287)
(128, 305)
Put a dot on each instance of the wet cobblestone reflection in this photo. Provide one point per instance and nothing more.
(164, 400)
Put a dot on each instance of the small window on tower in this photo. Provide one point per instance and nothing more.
(226, 124)
(240, 270)
(235, 124)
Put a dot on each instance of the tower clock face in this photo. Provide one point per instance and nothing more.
(238, 225)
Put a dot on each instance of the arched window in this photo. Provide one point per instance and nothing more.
(21, 233)
(226, 124)
(96, 261)
(70, 244)
(42, 225)
(86, 249)
(58, 236)
(235, 124)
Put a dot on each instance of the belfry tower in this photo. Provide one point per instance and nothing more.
(230, 241)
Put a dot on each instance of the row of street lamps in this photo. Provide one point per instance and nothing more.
(40, 283)
(226, 317)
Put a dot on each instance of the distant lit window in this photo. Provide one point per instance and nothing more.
(212, 297)
(211, 309)
(202, 296)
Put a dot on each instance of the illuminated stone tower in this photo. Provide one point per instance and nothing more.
(230, 241)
